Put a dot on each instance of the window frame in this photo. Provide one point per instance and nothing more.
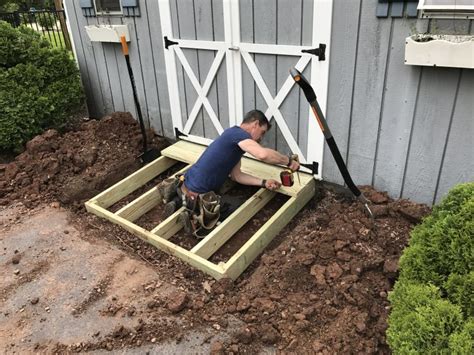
(110, 13)
(445, 11)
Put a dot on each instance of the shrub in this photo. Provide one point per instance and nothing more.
(462, 342)
(460, 290)
(10, 7)
(421, 321)
(443, 243)
(39, 86)
(432, 308)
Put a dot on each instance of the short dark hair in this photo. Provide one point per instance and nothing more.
(257, 115)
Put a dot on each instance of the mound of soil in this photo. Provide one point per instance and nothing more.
(320, 287)
(73, 167)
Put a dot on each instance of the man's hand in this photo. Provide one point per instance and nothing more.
(295, 165)
(272, 185)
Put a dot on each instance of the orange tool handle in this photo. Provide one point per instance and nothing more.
(123, 40)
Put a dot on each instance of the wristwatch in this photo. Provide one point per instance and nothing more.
(264, 183)
(290, 158)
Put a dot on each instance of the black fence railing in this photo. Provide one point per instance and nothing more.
(49, 23)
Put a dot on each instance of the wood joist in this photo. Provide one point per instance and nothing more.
(187, 152)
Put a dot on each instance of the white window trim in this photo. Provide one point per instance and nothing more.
(439, 8)
(445, 11)
(110, 13)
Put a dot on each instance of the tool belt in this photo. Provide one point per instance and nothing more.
(203, 210)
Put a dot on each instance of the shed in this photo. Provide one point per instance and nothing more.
(201, 64)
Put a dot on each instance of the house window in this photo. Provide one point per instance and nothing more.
(446, 8)
(108, 7)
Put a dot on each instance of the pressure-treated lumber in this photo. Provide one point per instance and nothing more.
(161, 243)
(189, 152)
(169, 226)
(159, 236)
(143, 203)
(224, 231)
(255, 245)
(132, 182)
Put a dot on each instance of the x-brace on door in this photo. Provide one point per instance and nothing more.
(238, 55)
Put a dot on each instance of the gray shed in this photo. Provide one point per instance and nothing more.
(405, 129)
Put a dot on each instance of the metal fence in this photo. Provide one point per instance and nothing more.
(49, 23)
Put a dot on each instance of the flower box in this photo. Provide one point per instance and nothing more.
(440, 50)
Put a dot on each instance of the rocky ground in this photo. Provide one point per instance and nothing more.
(74, 282)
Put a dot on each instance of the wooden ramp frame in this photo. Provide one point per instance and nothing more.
(184, 151)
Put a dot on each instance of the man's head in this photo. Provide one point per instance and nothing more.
(256, 124)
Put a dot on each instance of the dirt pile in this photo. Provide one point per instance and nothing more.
(76, 165)
(323, 287)
(320, 287)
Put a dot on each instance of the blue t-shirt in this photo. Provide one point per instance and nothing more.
(217, 161)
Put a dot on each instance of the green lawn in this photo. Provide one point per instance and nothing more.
(56, 38)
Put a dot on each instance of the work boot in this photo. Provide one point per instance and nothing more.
(167, 189)
(184, 219)
(171, 207)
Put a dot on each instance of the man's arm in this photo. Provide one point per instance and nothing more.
(266, 154)
(246, 179)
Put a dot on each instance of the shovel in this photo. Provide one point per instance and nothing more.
(148, 155)
(318, 114)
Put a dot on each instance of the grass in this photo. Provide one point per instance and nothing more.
(56, 38)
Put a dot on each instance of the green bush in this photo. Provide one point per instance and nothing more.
(421, 321)
(432, 307)
(46, 20)
(10, 7)
(462, 342)
(460, 290)
(443, 244)
(39, 86)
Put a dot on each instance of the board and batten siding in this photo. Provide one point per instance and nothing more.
(407, 130)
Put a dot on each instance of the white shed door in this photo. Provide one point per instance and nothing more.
(239, 57)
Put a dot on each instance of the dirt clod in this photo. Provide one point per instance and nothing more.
(269, 334)
(177, 301)
(217, 348)
(16, 259)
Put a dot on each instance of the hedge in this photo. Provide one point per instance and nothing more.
(39, 86)
(432, 301)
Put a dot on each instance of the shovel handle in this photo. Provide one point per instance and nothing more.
(304, 85)
(123, 40)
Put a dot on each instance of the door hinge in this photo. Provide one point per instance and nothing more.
(169, 42)
(320, 52)
(314, 167)
(178, 133)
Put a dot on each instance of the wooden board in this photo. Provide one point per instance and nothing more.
(189, 152)
(197, 257)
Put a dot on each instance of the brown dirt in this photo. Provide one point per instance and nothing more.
(320, 287)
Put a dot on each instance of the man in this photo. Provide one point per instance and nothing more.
(222, 159)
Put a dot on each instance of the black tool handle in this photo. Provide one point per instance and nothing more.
(311, 97)
(134, 89)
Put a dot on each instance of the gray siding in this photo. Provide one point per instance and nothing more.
(407, 130)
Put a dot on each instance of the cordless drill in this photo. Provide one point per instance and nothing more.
(286, 176)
